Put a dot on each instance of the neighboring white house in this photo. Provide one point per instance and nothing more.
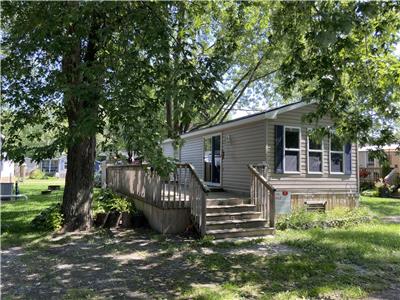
(367, 161)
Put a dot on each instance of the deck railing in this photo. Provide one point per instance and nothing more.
(262, 194)
(182, 188)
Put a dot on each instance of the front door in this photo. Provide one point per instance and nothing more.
(212, 160)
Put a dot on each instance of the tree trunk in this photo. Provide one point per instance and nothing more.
(78, 193)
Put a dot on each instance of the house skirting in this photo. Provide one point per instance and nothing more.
(164, 220)
(333, 199)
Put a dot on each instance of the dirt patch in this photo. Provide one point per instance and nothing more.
(110, 264)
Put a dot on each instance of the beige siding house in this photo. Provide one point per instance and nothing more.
(294, 164)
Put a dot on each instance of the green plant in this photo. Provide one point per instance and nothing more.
(382, 188)
(36, 174)
(366, 186)
(107, 201)
(386, 169)
(339, 217)
(370, 193)
(49, 219)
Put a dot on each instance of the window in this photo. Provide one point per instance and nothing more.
(336, 155)
(291, 162)
(371, 161)
(315, 155)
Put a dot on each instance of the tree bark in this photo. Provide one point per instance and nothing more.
(77, 201)
(82, 113)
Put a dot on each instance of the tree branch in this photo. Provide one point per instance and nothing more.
(223, 104)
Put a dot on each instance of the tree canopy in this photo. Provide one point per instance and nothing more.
(151, 70)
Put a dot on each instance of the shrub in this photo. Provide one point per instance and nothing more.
(366, 186)
(36, 174)
(383, 188)
(107, 201)
(370, 193)
(339, 217)
(49, 219)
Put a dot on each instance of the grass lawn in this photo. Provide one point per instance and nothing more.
(16, 215)
(339, 263)
(382, 206)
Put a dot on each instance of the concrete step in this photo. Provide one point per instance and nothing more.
(230, 208)
(240, 232)
(248, 215)
(227, 201)
(230, 224)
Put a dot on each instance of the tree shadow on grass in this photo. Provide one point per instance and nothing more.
(138, 264)
(383, 207)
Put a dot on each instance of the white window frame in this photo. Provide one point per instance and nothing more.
(291, 149)
(318, 151)
(330, 158)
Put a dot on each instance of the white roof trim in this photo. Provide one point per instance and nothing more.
(250, 119)
(386, 147)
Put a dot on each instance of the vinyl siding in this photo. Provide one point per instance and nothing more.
(168, 149)
(192, 152)
(246, 145)
(305, 182)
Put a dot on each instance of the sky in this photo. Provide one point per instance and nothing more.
(241, 113)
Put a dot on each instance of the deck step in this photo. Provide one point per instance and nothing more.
(247, 215)
(227, 201)
(230, 208)
(230, 224)
(240, 232)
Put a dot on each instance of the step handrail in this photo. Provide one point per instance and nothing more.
(260, 189)
(204, 187)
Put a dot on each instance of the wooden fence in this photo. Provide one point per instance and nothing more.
(182, 188)
(370, 174)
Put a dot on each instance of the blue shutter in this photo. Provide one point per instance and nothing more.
(279, 149)
(347, 159)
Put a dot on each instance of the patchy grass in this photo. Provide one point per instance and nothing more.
(16, 215)
(336, 263)
(338, 217)
(382, 206)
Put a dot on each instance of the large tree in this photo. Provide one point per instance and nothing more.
(88, 64)
(157, 69)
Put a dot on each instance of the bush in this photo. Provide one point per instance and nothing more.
(49, 219)
(36, 174)
(107, 201)
(339, 217)
(366, 186)
(370, 193)
(383, 189)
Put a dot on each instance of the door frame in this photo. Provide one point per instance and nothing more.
(221, 156)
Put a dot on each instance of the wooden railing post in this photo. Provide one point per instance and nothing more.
(203, 213)
(272, 209)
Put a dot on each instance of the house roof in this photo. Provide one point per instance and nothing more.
(386, 147)
(268, 114)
